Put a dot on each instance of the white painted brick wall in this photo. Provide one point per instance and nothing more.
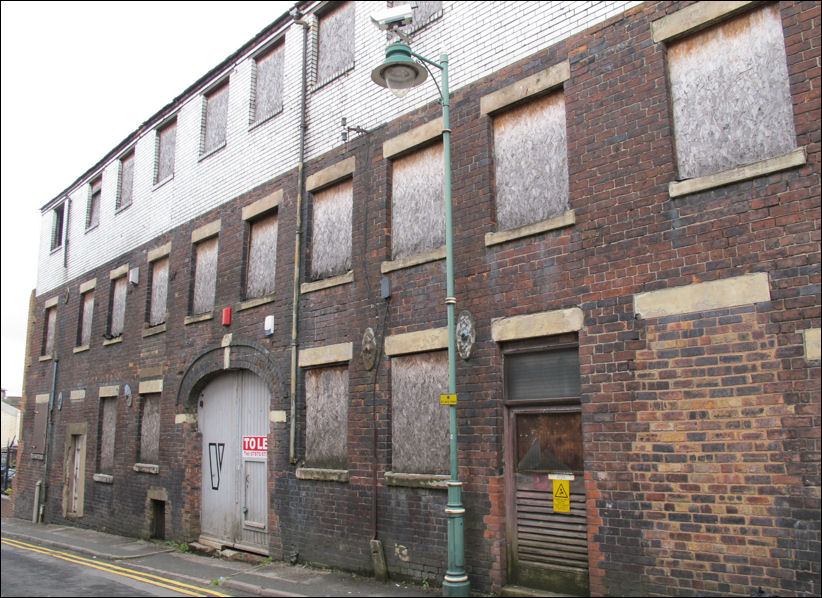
(479, 37)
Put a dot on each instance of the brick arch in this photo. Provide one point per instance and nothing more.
(243, 354)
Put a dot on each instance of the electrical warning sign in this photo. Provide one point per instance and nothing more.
(562, 496)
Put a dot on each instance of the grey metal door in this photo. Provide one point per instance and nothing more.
(233, 409)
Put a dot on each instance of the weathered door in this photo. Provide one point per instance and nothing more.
(547, 534)
(234, 407)
(75, 473)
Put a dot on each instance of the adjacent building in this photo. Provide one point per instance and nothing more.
(239, 328)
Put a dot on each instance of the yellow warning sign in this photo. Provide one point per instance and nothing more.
(562, 496)
(448, 399)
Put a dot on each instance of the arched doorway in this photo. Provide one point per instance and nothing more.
(233, 420)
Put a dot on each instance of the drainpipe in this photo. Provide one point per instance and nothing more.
(295, 299)
(43, 496)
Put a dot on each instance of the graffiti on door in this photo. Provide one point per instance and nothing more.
(215, 462)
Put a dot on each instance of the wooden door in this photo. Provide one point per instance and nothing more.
(547, 544)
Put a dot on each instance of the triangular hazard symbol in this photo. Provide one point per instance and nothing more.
(560, 493)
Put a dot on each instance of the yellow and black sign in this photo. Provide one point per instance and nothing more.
(562, 496)
(448, 399)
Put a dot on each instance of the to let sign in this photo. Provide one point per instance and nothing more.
(255, 446)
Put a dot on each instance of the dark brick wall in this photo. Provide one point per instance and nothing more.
(701, 431)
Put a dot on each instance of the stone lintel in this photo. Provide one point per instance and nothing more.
(553, 76)
(159, 252)
(416, 342)
(694, 18)
(261, 206)
(118, 272)
(150, 386)
(204, 232)
(332, 174)
(703, 296)
(412, 139)
(327, 354)
(544, 323)
(87, 286)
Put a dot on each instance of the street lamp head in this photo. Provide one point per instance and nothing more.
(400, 72)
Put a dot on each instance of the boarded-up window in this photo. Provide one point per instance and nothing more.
(118, 306)
(335, 42)
(205, 275)
(150, 429)
(527, 375)
(57, 227)
(159, 291)
(215, 119)
(326, 413)
(166, 145)
(86, 314)
(262, 257)
(531, 162)
(422, 13)
(268, 85)
(331, 240)
(49, 331)
(419, 423)
(417, 208)
(93, 211)
(731, 95)
(108, 427)
(126, 187)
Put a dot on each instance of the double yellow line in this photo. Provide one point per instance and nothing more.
(154, 580)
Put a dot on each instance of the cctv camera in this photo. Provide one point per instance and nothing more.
(395, 16)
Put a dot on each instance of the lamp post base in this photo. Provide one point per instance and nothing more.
(458, 586)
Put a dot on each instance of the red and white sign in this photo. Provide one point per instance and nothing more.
(255, 446)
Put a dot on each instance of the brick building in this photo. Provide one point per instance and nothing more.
(238, 332)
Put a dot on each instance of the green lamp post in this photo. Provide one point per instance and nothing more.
(399, 73)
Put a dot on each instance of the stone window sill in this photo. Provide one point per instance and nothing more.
(81, 348)
(198, 318)
(735, 175)
(413, 260)
(327, 283)
(159, 184)
(257, 301)
(417, 480)
(113, 341)
(45, 357)
(257, 123)
(320, 84)
(103, 478)
(147, 468)
(152, 330)
(565, 219)
(211, 152)
(323, 475)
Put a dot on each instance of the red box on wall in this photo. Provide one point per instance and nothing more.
(226, 316)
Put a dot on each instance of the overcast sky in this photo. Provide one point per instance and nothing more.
(77, 78)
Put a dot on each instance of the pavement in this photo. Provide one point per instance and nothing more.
(255, 578)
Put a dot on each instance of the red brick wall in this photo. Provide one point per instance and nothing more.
(701, 430)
